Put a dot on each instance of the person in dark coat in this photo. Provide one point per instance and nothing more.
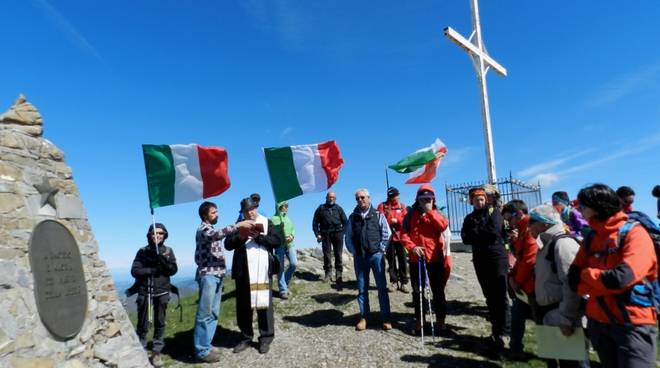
(483, 229)
(328, 226)
(254, 278)
(152, 267)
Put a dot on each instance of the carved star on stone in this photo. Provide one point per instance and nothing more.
(47, 192)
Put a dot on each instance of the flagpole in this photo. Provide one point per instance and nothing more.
(387, 180)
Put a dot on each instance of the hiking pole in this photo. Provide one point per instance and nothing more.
(421, 305)
(150, 304)
(428, 295)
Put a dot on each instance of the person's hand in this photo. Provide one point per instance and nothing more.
(395, 221)
(427, 207)
(245, 225)
(419, 252)
(566, 330)
(318, 238)
(289, 238)
(514, 233)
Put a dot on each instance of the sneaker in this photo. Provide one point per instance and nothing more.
(361, 325)
(339, 284)
(242, 346)
(387, 326)
(211, 357)
(156, 360)
(284, 295)
(327, 277)
(404, 288)
(264, 347)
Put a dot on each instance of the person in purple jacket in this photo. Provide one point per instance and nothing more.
(570, 215)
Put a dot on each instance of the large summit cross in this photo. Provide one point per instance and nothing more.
(475, 48)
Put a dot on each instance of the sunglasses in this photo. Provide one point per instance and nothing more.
(160, 233)
(357, 198)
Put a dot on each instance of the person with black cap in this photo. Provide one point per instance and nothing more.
(256, 199)
(253, 266)
(397, 259)
(152, 267)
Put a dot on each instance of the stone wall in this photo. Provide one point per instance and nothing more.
(36, 184)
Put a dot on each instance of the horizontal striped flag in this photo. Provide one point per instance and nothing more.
(422, 164)
(296, 170)
(184, 173)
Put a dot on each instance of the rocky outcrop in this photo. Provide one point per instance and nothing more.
(35, 185)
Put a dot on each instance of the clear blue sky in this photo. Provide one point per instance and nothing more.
(580, 104)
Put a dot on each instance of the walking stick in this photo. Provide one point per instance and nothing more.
(428, 295)
(150, 304)
(421, 305)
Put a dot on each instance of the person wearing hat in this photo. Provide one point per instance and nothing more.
(397, 259)
(256, 199)
(253, 266)
(483, 229)
(422, 236)
(556, 304)
(211, 269)
(570, 215)
(285, 229)
(152, 267)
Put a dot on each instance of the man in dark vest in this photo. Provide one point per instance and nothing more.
(328, 227)
(367, 238)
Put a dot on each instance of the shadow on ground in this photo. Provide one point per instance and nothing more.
(441, 360)
(334, 298)
(180, 346)
(457, 307)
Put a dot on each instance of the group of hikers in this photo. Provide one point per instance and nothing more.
(588, 263)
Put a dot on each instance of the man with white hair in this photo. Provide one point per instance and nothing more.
(558, 305)
(367, 238)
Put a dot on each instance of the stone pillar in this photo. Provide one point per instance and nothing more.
(36, 184)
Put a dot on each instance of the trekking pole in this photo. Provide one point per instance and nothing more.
(421, 305)
(150, 304)
(428, 295)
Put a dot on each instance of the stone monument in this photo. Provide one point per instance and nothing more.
(58, 304)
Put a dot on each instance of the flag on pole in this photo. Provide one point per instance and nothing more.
(422, 164)
(184, 173)
(297, 170)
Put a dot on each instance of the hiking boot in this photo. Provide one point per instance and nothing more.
(156, 360)
(361, 325)
(264, 347)
(516, 355)
(339, 284)
(242, 346)
(328, 277)
(404, 288)
(387, 326)
(211, 357)
(417, 330)
(284, 295)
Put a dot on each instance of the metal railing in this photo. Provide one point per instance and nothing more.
(458, 203)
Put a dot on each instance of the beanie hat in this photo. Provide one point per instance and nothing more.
(392, 192)
(545, 214)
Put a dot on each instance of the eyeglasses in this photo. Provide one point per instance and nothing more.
(357, 198)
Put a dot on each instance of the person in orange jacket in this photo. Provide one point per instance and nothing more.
(397, 259)
(607, 267)
(422, 237)
(521, 276)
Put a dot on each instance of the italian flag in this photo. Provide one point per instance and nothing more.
(297, 170)
(422, 164)
(180, 173)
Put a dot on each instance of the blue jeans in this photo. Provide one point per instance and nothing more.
(363, 264)
(208, 312)
(283, 278)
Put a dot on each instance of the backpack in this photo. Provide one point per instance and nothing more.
(550, 256)
(648, 293)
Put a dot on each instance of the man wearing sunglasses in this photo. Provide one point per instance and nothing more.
(367, 238)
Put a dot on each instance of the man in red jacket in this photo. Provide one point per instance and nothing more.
(521, 276)
(422, 237)
(397, 260)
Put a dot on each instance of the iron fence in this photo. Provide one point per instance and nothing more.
(458, 204)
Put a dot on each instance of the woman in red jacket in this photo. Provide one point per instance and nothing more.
(606, 268)
(422, 238)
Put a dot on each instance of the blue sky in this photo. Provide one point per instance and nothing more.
(580, 103)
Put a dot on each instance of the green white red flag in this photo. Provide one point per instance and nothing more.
(301, 169)
(184, 173)
(422, 164)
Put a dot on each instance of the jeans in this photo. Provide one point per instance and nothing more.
(283, 278)
(208, 313)
(363, 264)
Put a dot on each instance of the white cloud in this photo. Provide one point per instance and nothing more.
(544, 166)
(456, 156)
(286, 132)
(620, 88)
(61, 23)
(545, 179)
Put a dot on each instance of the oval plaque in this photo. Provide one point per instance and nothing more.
(59, 282)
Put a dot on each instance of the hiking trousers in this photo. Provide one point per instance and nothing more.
(265, 318)
(619, 346)
(492, 267)
(332, 243)
(159, 309)
(436, 271)
(397, 263)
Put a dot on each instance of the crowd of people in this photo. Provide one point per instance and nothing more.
(588, 263)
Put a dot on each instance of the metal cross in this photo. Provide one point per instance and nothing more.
(482, 63)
